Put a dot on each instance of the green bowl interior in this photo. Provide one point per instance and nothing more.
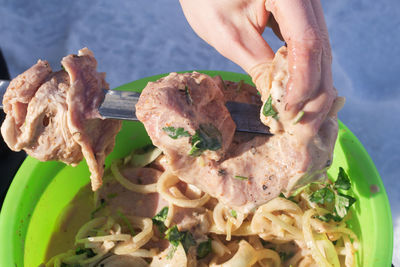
(42, 190)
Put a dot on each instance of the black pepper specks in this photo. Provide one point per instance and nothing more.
(264, 187)
(221, 172)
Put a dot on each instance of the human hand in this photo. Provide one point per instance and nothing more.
(234, 28)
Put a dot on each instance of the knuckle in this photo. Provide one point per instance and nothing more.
(312, 39)
(316, 42)
(270, 5)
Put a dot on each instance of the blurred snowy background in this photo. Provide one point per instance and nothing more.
(136, 39)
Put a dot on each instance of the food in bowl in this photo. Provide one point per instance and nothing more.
(205, 143)
(145, 216)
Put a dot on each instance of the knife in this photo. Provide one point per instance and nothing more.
(121, 105)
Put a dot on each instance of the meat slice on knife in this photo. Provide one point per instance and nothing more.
(53, 115)
(185, 116)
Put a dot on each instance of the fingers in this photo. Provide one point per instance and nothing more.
(300, 28)
(316, 110)
(323, 30)
(232, 27)
(240, 39)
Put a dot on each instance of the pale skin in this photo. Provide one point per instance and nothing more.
(234, 28)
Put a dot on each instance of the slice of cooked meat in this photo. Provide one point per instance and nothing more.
(191, 101)
(16, 99)
(96, 136)
(249, 169)
(53, 115)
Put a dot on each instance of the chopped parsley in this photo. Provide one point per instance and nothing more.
(343, 181)
(323, 196)
(159, 219)
(187, 241)
(207, 137)
(340, 202)
(234, 213)
(176, 133)
(162, 215)
(241, 177)
(204, 249)
(174, 236)
(268, 110)
(298, 117)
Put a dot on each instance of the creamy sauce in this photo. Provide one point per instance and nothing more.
(73, 217)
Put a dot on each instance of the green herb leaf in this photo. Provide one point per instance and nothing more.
(195, 151)
(342, 204)
(234, 213)
(241, 177)
(204, 249)
(207, 137)
(187, 241)
(176, 133)
(160, 226)
(343, 181)
(298, 117)
(268, 110)
(322, 196)
(162, 215)
(174, 237)
(159, 219)
(126, 222)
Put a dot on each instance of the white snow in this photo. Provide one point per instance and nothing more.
(136, 39)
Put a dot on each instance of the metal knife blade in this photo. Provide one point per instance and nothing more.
(121, 105)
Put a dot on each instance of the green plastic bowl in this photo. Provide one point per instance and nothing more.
(42, 190)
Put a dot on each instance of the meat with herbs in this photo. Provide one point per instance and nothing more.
(186, 117)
